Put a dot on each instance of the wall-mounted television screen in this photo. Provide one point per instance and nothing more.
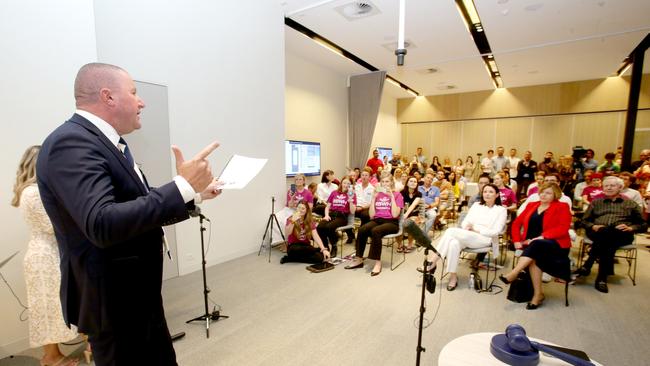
(301, 157)
(385, 151)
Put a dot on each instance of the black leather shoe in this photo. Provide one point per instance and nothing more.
(360, 265)
(582, 272)
(602, 286)
(373, 273)
(504, 279)
(531, 306)
(284, 259)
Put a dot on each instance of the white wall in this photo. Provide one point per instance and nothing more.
(223, 63)
(388, 133)
(43, 44)
(316, 109)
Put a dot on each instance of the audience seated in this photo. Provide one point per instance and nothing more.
(339, 205)
(323, 191)
(469, 168)
(593, 190)
(579, 188)
(610, 223)
(609, 167)
(384, 211)
(508, 197)
(534, 187)
(431, 197)
(627, 191)
(535, 197)
(542, 231)
(397, 177)
(412, 203)
(435, 164)
(300, 229)
(484, 220)
(507, 180)
(364, 192)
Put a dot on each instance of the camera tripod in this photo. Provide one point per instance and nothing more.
(269, 229)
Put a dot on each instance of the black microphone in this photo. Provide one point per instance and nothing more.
(421, 238)
(196, 212)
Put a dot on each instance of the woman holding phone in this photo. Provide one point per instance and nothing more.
(339, 205)
(384, 211)
(300, 229)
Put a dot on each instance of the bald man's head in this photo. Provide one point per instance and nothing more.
(108, 92)
(91, 78)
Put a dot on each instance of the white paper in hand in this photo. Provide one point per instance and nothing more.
(239, 171)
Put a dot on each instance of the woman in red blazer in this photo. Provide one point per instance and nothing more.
(542, 230)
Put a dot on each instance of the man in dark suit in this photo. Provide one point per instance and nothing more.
(107, 220)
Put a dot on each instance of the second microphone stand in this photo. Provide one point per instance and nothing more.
(208, 317)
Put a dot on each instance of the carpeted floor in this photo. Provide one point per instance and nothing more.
(285, 315)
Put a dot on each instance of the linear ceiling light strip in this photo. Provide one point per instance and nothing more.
(340, 51)
(475, 27)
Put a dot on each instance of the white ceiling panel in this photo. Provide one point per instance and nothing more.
(534, 41)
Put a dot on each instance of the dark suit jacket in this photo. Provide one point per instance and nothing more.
(555, 225)
(108, 229)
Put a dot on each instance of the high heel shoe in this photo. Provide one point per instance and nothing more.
(354, 266)
(451, 287)
(373, 273)
(504, 279)
(531, 306)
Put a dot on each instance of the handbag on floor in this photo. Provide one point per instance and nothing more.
(521, 289)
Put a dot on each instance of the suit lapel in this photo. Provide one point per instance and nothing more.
(117, 154)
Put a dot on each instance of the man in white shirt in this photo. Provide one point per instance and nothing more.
(514, 160)
(364, 191)
(486, 163)
(630, 193)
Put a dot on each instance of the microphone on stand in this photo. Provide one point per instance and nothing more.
(421, 239)
(196, 212)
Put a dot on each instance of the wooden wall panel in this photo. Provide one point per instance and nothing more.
(417, 135)
(514, 132)
(552, 133)
(478, 136)
(446, 137)
(600, 132)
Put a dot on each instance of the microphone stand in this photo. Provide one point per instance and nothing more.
(215, 315)
(425, 277)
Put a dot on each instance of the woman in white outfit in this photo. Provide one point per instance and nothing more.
(41, 265)
(484, 220)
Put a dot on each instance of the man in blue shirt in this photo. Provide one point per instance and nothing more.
(431, 196)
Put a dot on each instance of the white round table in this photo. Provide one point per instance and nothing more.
(474, 349)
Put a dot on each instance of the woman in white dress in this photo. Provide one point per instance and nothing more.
(484, 220)
(41, 265)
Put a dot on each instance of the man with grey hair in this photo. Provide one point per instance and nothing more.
(611, 223)
(108, 220)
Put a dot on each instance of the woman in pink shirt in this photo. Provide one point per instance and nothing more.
(508, 196)
(339, 205)
(299, 192)
(594, 190)
(385, 208)
(300, 230)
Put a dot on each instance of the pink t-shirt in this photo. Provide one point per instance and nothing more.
(592, 193)
(339, 202)
(508, 197)
(383, 205)
(302, 233)
(305, 194)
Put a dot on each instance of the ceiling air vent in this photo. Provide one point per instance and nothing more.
(357, 10)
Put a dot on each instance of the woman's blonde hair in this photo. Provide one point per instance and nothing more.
(26, 173)
(557, 192)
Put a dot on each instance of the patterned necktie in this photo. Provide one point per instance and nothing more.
(127, 153)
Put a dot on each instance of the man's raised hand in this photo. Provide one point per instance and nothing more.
(196, 171)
